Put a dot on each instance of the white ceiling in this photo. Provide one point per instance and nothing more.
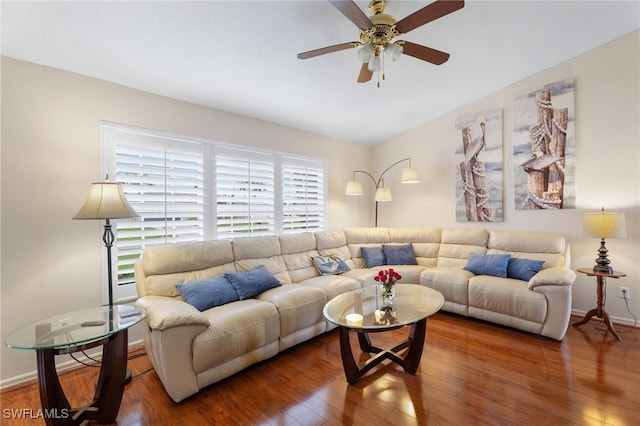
(240, 56)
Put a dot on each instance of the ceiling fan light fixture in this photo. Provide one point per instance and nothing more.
(394, 50)
(365, 52)
(375, 64)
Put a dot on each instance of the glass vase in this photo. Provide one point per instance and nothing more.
(387, 292)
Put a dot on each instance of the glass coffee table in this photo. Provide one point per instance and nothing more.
(74, 332)
(360, 311)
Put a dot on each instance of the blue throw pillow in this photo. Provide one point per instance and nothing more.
(523, 269)
(252, 283)
(206, 294)
(373, 256)
(399, 255)
(329, 265)
(488, 264)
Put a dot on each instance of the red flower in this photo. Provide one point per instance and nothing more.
(388, 276)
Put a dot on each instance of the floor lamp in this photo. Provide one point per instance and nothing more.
(409, 175)
(106, 200)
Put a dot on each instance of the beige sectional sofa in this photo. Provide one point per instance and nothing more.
(191, 349)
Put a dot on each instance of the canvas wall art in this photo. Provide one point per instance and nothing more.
(479, 167)
(544, 147)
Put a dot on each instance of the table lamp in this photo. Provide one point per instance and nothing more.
(604, 225)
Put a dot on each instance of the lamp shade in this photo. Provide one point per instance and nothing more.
(106, 200)
(354, 188)
(394, 50)
(605, 225)
(410, 175)
(383, 194)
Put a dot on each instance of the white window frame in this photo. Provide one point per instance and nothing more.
(211, 150)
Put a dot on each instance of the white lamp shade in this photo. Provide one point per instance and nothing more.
(106, 200)
(605, 225)
(365, 52)
(354, 188)
(394, 50)
(375, 64)
(410, 175)
(383, 194)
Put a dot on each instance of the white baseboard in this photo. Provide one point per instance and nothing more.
(32, 376)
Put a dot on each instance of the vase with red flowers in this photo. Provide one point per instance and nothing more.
(387, 279)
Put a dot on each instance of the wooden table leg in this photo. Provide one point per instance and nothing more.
(410, 362)
(416, 344)
(111, 381)
(599, 311)
(52, 397)
(351, 370)
(108, 393)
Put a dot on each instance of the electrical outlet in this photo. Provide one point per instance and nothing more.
(623, 292)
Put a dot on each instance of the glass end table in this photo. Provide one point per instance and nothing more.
(105, 326)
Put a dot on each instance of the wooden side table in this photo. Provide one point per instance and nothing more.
(599, 311)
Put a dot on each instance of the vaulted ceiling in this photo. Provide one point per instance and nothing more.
(240, 56)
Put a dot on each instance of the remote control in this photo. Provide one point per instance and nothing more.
(92, 323)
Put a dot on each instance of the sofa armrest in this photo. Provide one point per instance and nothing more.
(164, 313)
(553, 276)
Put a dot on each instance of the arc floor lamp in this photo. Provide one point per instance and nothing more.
(409, 175)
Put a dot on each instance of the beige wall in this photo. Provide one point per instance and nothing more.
(51, 152)
(607, 114)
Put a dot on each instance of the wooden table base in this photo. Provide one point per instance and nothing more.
(410, 361)
(599, 311)
(109, 388)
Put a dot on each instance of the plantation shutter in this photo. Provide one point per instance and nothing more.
(164, 183)
(245, 193)
(303, 197)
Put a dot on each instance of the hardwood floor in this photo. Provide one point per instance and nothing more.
(471, 373)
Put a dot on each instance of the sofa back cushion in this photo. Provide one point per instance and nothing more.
(546, 246)
(457, 244)
(251, 252)
(425, 241)
(297, 251)
(364, 237)
(161, 267)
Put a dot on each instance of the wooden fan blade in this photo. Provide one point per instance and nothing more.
(424, 53)
(353, 13)
(325, 50)
(365, 74)
(435, 10)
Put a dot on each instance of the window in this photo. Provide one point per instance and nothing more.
(245, 194)
(191, 190)
(302, 197)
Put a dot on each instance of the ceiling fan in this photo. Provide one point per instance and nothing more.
(379, 33)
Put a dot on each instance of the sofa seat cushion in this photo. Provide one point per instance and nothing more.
(300, 306)
(453, 283)
(333, 285)
(236, 329)
(507, 296)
